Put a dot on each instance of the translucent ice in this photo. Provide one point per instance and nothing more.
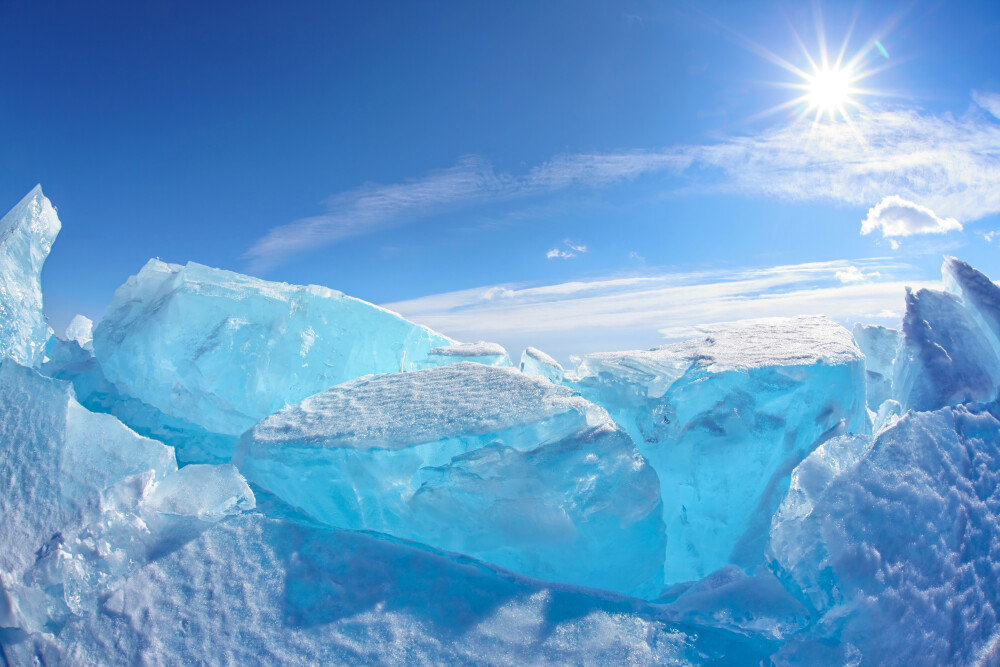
(191, 443)
(480, 460)
(980, 295)
(26, 236)
(895, 543)
(945, 357)
(536, 362)
(878, 344)
(222, 350)
(724, 419)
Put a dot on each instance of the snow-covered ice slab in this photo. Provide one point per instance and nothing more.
(491, 354)
(222, 350)
(26, 236)
(475, 459)
(945, 357)
(724, 420)
(879, 345)
(895, 543)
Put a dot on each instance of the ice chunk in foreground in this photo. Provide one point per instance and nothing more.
(26, 236)
(945, 357)
(878, 344)
(536, 362)
(895, 543)
(85, 501)
(724, 420)
(81, 330)
(470, 458)
(222, 350)
(254, 590)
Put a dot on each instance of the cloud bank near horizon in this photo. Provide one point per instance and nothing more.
(639, 312)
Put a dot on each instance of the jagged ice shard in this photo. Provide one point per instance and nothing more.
(724, 420)
(26, 236)
(476, 459)
(222, 350)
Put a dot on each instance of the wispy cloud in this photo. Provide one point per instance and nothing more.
(644, 311)
(853, 274)
(949, 164)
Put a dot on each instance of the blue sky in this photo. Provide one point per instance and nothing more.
(572, 175)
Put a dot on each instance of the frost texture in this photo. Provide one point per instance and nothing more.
(879, 345)
(480, 460)
(724, 420)
(896, 543)
(222, 350)
(26, 236)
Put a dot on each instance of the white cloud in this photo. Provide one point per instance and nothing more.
(853, 274)
(640, 311)
(896, 216)
(573, 249)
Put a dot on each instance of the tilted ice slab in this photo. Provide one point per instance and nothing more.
(470, 458)
(895, 543)
(222, 350)
(879, 345)
(723, 420)
(26, 236)
(85, 501)
(979, 294)
(945, 357)
(536, 362)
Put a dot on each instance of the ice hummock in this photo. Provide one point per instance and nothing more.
(26, 236)
(228, 349)
(894, 543)
(724, 420)
(476, 459)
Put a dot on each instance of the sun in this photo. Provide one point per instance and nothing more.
(828, 85)
(830, 91)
